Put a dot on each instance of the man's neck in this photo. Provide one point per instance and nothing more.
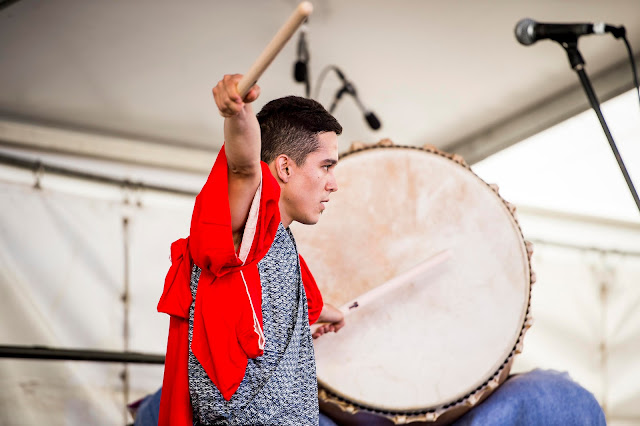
(285, 219)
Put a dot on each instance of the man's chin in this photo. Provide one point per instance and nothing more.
(310, 220)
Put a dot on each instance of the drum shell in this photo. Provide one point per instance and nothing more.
(353, 411)
(346, 414)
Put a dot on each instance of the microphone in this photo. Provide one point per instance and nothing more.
(373, 121)
(300, 73)
(348, 88)
(529, 31)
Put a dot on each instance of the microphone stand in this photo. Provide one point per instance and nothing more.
(570, 45)
(349, 89)
(337, 97)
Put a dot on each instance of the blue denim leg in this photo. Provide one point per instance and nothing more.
(539, 397)
(147, 414)
(326, 421)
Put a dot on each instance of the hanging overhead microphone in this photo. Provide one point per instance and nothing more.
(300, 70)
(348, 88)
(300, 73)
(529, 31)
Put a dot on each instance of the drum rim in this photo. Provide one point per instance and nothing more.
(472, 397)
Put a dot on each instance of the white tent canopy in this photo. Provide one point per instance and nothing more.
(446, 73)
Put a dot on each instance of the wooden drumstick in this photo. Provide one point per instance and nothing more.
(392, 284)
(274, 47)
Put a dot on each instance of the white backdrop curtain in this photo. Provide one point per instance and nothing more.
(62, 281)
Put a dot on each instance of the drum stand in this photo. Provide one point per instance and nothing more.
(577, 64)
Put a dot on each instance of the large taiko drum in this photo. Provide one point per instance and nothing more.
(430, 348)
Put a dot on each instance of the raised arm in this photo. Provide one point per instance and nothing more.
(242, 148)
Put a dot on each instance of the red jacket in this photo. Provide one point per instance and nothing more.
(225, 332)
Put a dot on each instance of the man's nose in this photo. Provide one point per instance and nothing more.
(332, 184)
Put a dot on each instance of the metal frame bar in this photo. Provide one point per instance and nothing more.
(65, 354)
(40, 167)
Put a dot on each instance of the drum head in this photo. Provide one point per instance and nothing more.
(434, 339)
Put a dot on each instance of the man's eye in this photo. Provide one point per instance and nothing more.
(327, 167)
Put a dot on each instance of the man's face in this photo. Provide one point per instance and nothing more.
(303, 198)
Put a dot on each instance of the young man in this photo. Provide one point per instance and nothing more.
(240, 297)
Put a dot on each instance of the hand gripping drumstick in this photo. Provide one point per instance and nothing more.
(392, 284)
(274, 47)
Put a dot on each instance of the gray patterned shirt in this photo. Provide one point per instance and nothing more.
(279, 387)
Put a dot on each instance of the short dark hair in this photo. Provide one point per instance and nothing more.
(291, 125)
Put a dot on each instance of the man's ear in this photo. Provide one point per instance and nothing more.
(283, 167)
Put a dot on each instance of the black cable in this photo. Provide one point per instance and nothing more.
(321, 77)
(633, 65)
(577, 64)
